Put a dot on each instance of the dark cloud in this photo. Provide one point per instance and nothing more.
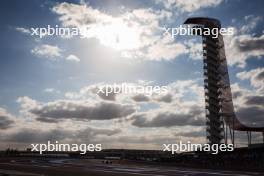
(6, 120)
(250, 44)
(165, 98)
(260, 76)
(168, 119)
(36, 136)
(90, 132)
(52, 112)
(33, 135)
(140, 98)
(237, 94)
(106, 93)
(110, 96)
(255, 100)
(251, 115)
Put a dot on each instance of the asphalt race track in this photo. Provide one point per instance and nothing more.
(50, 167)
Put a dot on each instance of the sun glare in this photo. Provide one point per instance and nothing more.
(116, 35)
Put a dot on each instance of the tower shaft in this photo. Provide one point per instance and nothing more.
(211, 61)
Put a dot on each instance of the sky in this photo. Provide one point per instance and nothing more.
(47, 85)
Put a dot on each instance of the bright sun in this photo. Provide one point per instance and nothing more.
(116, 35)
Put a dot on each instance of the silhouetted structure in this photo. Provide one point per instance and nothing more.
(218, 97)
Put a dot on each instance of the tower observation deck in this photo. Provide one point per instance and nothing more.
(219, 107)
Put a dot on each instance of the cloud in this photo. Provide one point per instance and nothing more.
(243, 46)
(167, 98)
(248, 43)
(174, 107)
(252, 21)
(47, 51)
(255, 100)
(240, 48)
(110, 96)
(175, 91)
(31, 135)
(192, 134)
(78, 109)
(73, 58)
(169, 118)
(251, 115)
(140, 98)
(93, 132)
(51, 90)
(195, 49)
(78, 15)
(189, 5)
(249, 106)
(23, 30)
(165, 50)
(135, 33)
(26, 103)
(137, 91)
(6, 119)
(186, 88)
(256, 77)
(92, 90)
(182, 115)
